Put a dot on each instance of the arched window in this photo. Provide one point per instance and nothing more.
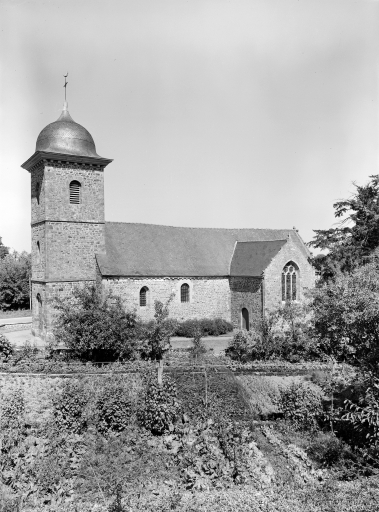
(185, 293)
(290, 282)
(75, 187)
(143, 296)
(245, 324)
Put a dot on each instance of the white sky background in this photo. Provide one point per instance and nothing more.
(257, 113)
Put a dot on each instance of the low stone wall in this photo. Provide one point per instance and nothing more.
(15, 327)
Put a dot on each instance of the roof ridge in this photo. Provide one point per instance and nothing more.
(192, 227)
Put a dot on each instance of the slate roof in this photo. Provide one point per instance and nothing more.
(251, 258)
(153, 250)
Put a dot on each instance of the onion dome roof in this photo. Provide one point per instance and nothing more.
(67, 137)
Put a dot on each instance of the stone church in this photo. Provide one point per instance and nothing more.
(235, 274)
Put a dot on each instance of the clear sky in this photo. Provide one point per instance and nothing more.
(256, 113)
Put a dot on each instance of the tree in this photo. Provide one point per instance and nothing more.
(158, 334)
(355, 237)
(346, 316)
(15, 270)
(3, 250)
(93, 324)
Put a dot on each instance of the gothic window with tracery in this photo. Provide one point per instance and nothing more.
(289, 282)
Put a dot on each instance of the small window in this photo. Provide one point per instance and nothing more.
(37, 191)
(289, 282)
(184, 293)
(143, 296)
(245, 324)
(38, 253)
(75, 187)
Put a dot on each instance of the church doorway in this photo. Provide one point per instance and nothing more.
(245, 319)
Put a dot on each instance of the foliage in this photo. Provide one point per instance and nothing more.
(6, 349)
(365, 415)
(207, 327)
(69, 407)
(13, 409)
(347, 317)
(357, 235)
(198, 349)
(241, 346)
(158, 332)
(15, 271)
(4, 251)
(161, 407)
(285, 333)
(114, 408)
(301, 405)
(93, 325)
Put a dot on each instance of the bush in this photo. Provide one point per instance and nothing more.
(365, 416)
(207, 327)
(69, 407)
(114, 408)
(13, 409)
(161, 408)
(6, 349)
(241, 346)
(95, 327)
(301, 405)
(285, 333)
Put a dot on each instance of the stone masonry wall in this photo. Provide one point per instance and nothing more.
(42, 321)
(72, 248)
(53, 202)
(209, 297)
(246, 292)
(273, 274)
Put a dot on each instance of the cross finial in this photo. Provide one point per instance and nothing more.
(65, 85)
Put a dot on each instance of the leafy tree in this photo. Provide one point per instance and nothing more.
(92, 324)
(3, 250)
(346, 316)
(355, 237)
(158, 334)
(15, 270)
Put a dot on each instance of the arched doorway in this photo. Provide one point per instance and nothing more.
(245, 319)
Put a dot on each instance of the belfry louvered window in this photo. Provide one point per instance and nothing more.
(185, 293)
(75, 192)
(289, 282)
(143, 296)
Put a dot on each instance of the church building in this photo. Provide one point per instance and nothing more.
(235, 274)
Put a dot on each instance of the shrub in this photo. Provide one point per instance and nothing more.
(161, 408)
(69, 407)
(114, 408)
(365, 416)
(13, 408)
(6, 349)
(241, 346)
(94, 326)
(207, 327)
(301, 405)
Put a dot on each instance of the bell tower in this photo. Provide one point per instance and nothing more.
(67, 196)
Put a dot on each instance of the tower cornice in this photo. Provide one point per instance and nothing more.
(46, 156)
